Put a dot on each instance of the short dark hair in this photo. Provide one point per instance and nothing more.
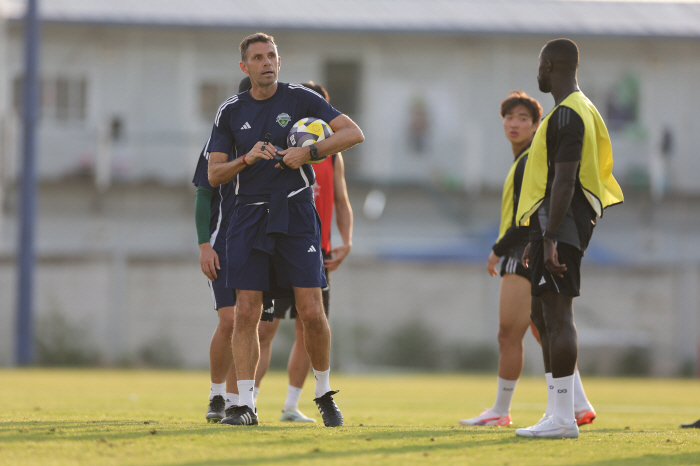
(521, 98)
(318, 88)
(257, 37)
(562, 52)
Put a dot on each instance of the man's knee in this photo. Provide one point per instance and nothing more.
(247, 316)
(226, 319)
(509, 334)
(313, 318)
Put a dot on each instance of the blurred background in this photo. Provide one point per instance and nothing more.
(128, 94)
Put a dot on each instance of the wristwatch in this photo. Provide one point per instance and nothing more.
(314, 153)
(549, 235)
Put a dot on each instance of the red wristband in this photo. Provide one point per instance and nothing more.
(243, 160)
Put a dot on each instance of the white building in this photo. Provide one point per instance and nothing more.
(131, 87)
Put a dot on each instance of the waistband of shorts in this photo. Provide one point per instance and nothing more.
(294, 196)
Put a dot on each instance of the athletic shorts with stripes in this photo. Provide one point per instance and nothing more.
(297, 259)
(542, 280)
(515, 266)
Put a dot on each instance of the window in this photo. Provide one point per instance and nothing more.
(343, 85)
(61, 99)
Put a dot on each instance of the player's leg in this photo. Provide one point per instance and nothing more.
(246, 354)
(247, 272)
(317, 332)
(266, 333)
(538, 321)
(317, 340)
(513, 322)
(552, 314)
(220, 357)
(583, 409)
(298, 369)
(299, 363)
(558, 312)
(231, 386)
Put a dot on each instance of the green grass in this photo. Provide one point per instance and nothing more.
(132, 417)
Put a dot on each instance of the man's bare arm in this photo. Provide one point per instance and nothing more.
(563, 188)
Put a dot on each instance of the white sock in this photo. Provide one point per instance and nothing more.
(245, 393)
(323, 384)
(231, 400)
(504, 396)
(581, 403)
(563, 400)
(550, 394)
(292, 401)
(256, 390)
(217, 389)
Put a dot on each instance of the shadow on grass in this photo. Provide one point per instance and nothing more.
(114, 430)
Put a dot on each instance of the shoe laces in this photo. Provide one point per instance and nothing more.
(235, 409)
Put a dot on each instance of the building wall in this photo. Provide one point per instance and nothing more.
(149, 78)
(120, 305)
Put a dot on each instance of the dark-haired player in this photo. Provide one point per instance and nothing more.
(213, 207)
(521, 117)
(567, 184)
(330, 193)
(274, 229)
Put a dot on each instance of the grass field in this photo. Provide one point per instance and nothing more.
(132, 417)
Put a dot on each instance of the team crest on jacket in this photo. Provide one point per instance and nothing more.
(283, 119)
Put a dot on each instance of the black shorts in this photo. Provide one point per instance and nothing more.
(542, 280)
(282, 305)
(515, 266)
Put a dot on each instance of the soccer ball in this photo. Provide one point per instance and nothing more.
(308, 131)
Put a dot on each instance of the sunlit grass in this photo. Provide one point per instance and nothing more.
(67, 417)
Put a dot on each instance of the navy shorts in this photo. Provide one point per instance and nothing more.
(542, 280)
(282, 305)
(515, 266)
(223, 296)
(297, 260)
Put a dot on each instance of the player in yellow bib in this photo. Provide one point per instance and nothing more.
(567, 184)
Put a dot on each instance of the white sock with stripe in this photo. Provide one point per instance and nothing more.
(256, 391)
(217, 389)
(504, 396)
(245, 393)
(231, 400)
(323, 384)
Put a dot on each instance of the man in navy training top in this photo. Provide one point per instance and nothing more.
(330, 193)
(274, 230)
